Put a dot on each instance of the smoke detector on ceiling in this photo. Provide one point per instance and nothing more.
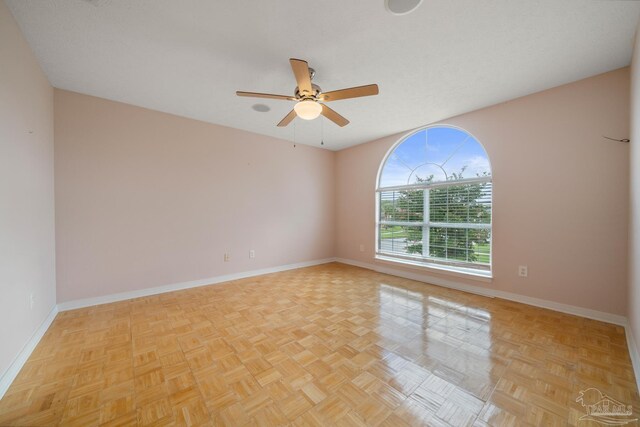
(401, 7)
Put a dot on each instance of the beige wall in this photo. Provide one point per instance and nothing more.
(146, 199)
(27, 257)
(634, 223)
(560, 193)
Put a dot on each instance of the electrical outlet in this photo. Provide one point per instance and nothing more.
(361, 247)
(32, 300)
(523, 271)
(252, 254)
(227, 257)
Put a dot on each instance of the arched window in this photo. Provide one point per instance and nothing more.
(434, 202)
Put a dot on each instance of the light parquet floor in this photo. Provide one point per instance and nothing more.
(326, 345)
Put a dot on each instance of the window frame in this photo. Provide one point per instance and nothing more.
(430, 263)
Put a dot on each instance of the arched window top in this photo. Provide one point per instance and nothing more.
(434, 154)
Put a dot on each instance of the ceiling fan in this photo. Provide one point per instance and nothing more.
(308, 96)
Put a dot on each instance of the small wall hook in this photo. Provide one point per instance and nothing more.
(626, 141)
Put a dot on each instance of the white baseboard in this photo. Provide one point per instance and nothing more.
(602, 316)
(12, 372)
(633, 353)
(88, 302)
(493, 293)
(420, 277)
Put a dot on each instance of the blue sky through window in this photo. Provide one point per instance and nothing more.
(438, 151)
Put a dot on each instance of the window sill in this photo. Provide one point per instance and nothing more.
(481, 276)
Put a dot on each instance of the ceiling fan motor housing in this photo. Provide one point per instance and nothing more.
(314, 96)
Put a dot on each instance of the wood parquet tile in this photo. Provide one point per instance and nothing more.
(326, 345)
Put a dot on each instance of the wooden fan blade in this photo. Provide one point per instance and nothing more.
(352, 92)
(266, 95)
(303, 78)
(287, 119)
(333, 116)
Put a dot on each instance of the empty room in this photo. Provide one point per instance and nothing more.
(319, 213)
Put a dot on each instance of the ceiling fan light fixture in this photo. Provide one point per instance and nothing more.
(308, 110)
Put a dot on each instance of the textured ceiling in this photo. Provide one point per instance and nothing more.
(188, 57)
